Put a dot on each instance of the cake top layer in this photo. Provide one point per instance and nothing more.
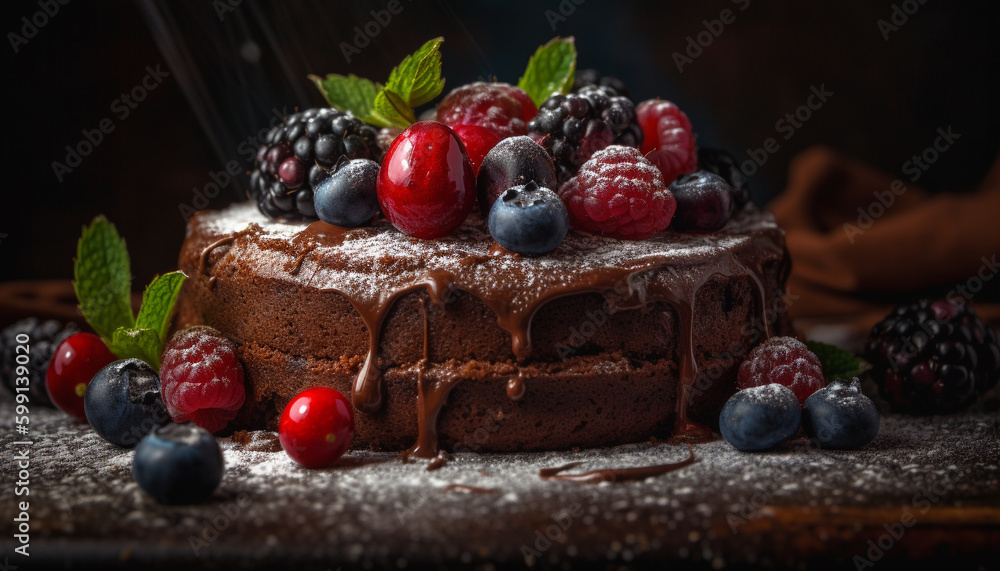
(380, 249)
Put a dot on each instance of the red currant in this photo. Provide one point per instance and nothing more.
(74, 363)
(426, 186)
(317, 427)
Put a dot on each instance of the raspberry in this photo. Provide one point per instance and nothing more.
(298, 153)
(620, 194)
(201, 378)
(573, 127)
(668, 140)
(932, 357)
(786, 361)
(499, 107)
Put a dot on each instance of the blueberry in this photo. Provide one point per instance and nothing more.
(123, 402)
(761, 417)
(840, 416)
(512, 162)
(529, 220)
(704, 202)
(347, 197)
(178, 464)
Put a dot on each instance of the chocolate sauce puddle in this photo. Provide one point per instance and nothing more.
(469, 489)
(614, 474)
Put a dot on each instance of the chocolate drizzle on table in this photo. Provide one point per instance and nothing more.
(614, 474)
(668, 268)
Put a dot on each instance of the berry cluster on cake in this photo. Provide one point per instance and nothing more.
(545, 265)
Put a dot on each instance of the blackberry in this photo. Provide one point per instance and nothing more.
(44, 337)
(585, 77)
(573, 127)
(297, 154)
(933, 357)
(724, 164)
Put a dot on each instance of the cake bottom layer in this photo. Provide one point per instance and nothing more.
(497, 407)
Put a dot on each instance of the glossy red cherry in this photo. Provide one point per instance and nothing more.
(426, 186)
(478, 141)
(317, 427)
(74, 363)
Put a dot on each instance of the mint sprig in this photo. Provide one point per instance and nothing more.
(158, 304)
(391, 110)
(837, 363)
(415, 81)
(348, 93)
(145, 344)
(103, 285)
(102, 278)
(551, 70)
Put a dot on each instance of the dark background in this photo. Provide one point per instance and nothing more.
(939, 69)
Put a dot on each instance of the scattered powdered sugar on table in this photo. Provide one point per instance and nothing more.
(374, 508)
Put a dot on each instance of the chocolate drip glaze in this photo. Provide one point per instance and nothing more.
(207, 251)
(515, 387)
(668, 268)
(614, 474)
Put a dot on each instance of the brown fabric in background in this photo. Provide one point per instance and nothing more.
(847, 266)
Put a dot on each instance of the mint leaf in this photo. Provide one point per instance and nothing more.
(142, 344)
(550, 70)
(348, 93)
(102, 278)
(837, 363)
(391, 111)
(417, 79)
(158, 304)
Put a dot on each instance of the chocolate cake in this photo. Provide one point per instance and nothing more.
(458, 344)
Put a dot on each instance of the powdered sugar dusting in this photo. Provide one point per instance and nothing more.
(372, 509)
(380, 250)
